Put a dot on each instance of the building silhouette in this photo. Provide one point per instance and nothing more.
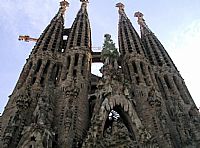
(141, 100)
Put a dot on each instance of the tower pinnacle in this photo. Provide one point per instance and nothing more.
(141, 21)
(121, 7)
(84, 2)
(63, 5)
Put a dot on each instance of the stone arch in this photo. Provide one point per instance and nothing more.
(130, 118)
(126, 120)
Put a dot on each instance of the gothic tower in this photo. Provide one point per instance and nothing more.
(141, 100)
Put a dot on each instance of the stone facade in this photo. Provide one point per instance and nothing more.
(141, 100)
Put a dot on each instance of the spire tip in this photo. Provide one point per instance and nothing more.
(64, 4)
(139, 15)
(120, 6)
(84, 1)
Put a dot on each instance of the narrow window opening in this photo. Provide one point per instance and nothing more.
(64, 37)
(54, 73)
(145, 80)
(42, 81)
(83, 60)
(56, 76)
(134, 67)
(76, 59)
(74, 73)
(68, 61)
(46, 67)
(138, 80)
(33, 80)
(39, 63)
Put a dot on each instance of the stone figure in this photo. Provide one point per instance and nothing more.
(43, 111)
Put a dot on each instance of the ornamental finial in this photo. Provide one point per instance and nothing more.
(141, 20)
(64, 4)
(120, 6)
(143, 26)
(84, 1)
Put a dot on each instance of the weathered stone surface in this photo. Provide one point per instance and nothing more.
(58, 103)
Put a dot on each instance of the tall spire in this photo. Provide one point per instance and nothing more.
(121, 8)
(156, 53)
(38, 75)
(129, 40)
(47, 40)
(80, 34)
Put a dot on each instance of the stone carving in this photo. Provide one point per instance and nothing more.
(71, 90)
(23, 99)
(194, 114)
(43, 112)
(153, 99)
(160, 118)
(36, 136)
(68, 119)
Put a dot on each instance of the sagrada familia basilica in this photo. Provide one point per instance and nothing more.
(141, 100)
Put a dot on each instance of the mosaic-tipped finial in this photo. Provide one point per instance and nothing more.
(64, 4)
(84, 1)
(139, 15)
(120, 6)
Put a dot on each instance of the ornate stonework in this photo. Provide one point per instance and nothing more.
(141, 100)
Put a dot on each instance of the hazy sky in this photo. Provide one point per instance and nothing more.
(175, 22)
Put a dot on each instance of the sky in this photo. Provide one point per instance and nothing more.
(175, 22)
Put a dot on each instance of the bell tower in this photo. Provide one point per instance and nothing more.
(140, 101)
(72, 107)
